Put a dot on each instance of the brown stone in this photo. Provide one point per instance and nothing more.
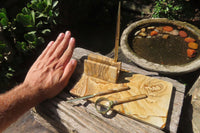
(165, 36)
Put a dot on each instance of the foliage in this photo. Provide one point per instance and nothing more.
(24, 33)
(167, 8)
(172, 9)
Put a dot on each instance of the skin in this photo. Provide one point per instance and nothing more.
(46, 78)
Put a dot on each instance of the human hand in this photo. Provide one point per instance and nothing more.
(51, 71)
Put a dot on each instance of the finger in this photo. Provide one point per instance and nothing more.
(63, 45)
(68, 53)
(56, 43)
(46, 50)
(69, 69)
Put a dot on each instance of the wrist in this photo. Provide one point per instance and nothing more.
(33, 94)
(17, 101)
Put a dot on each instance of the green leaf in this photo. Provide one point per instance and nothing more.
(34, 6)
(45, 22)
(32, 32)
(4, 23)
(9, 75)
(3, 10)
(21, 46)
(46, 31)
(1, 57)
(10, 69)
(33, 16)
(25, 20)
(39, 24)
(29, 5)
(56, 12)
(40, 7)
(47, 9)
(55, 3)
(2, 46)
(26, 10)
(2, 15)
(41, 15)
(50, 13)
(49, 2)
(54, 22)
(30, 37)
(34, 1)
(41, 40)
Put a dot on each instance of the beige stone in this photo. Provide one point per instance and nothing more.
(152, 110)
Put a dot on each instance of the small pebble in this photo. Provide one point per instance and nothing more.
(165, 36)
(156, 30)
(182, 33)
(143, 30)
(179, 27)
(159, 28)
(193, 45)
(142, 34)
(189, 39)
(148, 36)
(151, 28)
(167, 32)
(160, 35)
(167, 28)
(174, 32)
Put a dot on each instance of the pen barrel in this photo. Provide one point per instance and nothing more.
(129, 99)
(117, 33)
(112, 91)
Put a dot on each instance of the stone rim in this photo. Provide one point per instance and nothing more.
(164, 69)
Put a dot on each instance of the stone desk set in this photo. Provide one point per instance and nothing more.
(81, 116)
(159, 111)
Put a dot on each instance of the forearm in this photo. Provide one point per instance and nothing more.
(16, 102)
(46, 78)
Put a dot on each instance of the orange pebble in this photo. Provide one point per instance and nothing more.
(167, 28)
(189, 39)
(182, 33)
(153, 33)
(191, 53)
(193, 45)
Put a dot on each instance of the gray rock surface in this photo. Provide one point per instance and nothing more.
(195, 93)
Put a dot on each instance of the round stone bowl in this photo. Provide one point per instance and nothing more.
(160, 68)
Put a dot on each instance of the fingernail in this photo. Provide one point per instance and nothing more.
(50, 43)
(61, 35)
(67, 33)
(73, 61)
(71, 39)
